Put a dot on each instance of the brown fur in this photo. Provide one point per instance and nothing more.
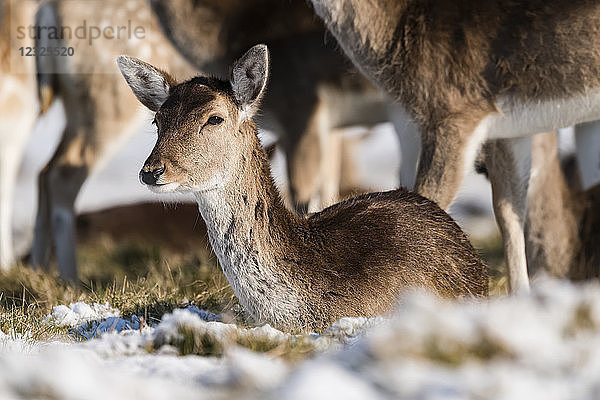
(356, 257)
(563, 221)
(351, 259)
(444, 57)
(587, 262)
(452, 64)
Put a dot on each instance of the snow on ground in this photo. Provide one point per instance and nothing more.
(80, 313)
(545, 345)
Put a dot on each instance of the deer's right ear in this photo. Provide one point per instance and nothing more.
(248, 79)
(149, 84)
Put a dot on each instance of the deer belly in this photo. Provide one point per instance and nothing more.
(522, 118)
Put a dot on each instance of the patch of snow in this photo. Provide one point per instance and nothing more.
(80, 313)
(543, 345)
(539, 346)
(115, 324)
(326, 380)
(119, 344)
(170, 328)
(90, 321)
(80, 374)
(249, 369)
(349, 330)
(23, 343)
(173, 327)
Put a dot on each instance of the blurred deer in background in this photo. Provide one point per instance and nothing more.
(562, 228)
(314, 89)
(18, 111)
(312, 93)
(100, 112)
(471, 72)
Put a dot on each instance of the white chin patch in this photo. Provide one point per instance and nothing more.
(166, 188)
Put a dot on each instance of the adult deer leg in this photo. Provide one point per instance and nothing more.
(410, 145)
(587, 142)
(509, 166)
(60, 182)
(446, 153)
(42, 240)
(10, 157)
(306, 143)
(553, 212)
(42, 237)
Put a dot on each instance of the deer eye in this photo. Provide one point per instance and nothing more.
(214, 120)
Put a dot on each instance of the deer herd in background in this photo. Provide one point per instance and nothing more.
(460, 81)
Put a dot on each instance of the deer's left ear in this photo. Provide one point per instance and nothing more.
(149, 84)
(249, 78)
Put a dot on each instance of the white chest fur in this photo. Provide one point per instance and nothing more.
(260, 288)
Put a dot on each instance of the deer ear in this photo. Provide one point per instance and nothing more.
(149, 84)
(248, 79)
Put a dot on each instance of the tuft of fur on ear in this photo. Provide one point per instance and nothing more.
(149, 84)
(249, 78)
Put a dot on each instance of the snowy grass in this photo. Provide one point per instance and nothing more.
(544, 345)
(128, 287)
(189, 334)
(147, 322)
(147, 281)
(26, 322)
(133, 279)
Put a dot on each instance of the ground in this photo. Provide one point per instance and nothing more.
(177, 332)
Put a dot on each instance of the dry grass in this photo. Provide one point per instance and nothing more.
(202, 341)
(492, 251)
(149, 280)
(135, 279)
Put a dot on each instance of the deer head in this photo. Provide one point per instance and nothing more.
(201, 143)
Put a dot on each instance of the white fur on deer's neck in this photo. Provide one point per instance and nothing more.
(236, 238)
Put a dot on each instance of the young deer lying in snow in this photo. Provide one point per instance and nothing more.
(296, 273)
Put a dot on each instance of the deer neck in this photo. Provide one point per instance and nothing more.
(245, 221)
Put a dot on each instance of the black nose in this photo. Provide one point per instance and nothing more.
(150, 176)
